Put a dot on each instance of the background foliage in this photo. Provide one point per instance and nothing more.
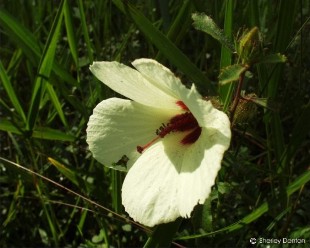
(48, 93)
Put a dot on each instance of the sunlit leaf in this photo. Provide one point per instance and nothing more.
(206, 24)
(11, 92)
(231, 73)
(8, 126)
(272, 58)
(51, 134)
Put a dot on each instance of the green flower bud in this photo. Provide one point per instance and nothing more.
(248, 45)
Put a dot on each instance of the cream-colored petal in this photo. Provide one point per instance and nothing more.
(204, 112)
(130, 83)
(170, 178)
(150, 189)
(164, 79)
(160, 76)
(118, 126)
(201, 163)
(207, 151)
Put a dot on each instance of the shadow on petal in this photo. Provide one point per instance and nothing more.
(176, 151)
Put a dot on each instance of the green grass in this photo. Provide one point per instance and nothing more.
(62, 197)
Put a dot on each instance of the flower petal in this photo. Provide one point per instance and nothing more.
(130, 83)
(118, 126)
(206, 115)
(150, 189)
(160, 76)
(169, 179)
(201, 163)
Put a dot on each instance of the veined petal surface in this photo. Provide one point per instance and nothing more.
(201, 163)
(130, 83)
(169, 179)
(150, 189)
(160, 76)
(206, 115)
(118, 126)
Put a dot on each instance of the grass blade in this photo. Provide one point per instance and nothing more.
(28, 43)
(11, 93)
(56, 102)
(163, 234)
(85, 31)
(70, 33)
(262, 209)
(299, 133)
(38, 132)
(51, 134)
(71, 174)
(226, 91)
(165, 46)
(45, 68)
(179, 26)
(23, 37)
(8, 126)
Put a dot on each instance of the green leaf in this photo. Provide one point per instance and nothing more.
(206, 24)
(70, 174)
(226, 91)
(71, 33)
(20, 35)
(51, 134)
(205, 217)
(180, 25)
(272, 58)
(298, 135)
(165, 46)
(15, 173)
(224, 187)
(8, 126)
(38, 132)
(98, 238)
(249, 45)
(45, 68)
(256, 213)
(231, 73)
(53, 97)
(19, 193)
(85, 30)
(260, 101)
(117, 180)
(301, 233)
(298, 183)
(28, 43)
(163, 234)
(10, 92)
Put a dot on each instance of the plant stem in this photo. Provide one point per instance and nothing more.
(237, 96)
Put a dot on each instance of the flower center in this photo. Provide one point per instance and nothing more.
(184, 122)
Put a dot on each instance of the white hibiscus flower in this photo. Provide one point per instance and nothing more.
(174, 139)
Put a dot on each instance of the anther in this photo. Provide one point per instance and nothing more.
(179, 123)
(192, 137)
(140, 149)
(182, 105)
